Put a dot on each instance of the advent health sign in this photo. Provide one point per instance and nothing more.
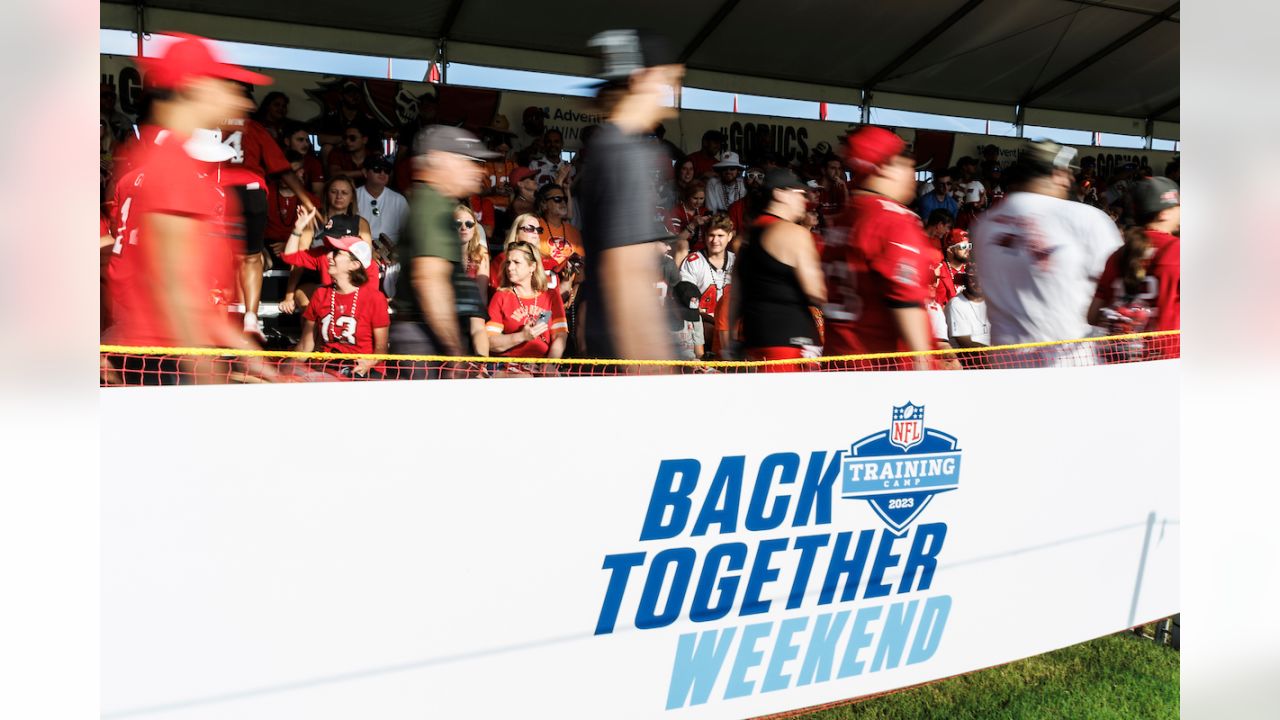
(819, 537)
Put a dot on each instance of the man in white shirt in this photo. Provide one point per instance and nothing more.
(728, 187)
(385, 209)
(967, 315)
(1039, 255)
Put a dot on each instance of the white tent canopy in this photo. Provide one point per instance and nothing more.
(1085, 64)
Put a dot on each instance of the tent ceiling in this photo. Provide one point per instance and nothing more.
(1098, 57)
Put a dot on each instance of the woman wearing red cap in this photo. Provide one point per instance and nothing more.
(346, 315)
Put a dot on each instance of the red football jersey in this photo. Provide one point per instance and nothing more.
(508, 314)
(167, 181)
(256, 151)
(345, 322)
(947, 288)
(282, 213)
(1161, 292)
(885, 258)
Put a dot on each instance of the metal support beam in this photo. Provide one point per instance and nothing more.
(866, 107)
(1019, 119)
(1039, 92)
(442, 57)
(1106, 5)
(1148, 133)
(884, 72)
(709, 27)
(450, 16)
(140, 29)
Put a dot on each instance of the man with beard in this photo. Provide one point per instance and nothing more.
(744, 211)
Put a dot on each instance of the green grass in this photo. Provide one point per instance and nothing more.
(1119, 676)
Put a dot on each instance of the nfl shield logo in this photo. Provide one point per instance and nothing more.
(907, 429)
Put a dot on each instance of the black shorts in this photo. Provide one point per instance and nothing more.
(253, 209)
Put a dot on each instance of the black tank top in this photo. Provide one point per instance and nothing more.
(774, 309)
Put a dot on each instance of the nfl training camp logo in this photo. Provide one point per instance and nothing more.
(899, 470)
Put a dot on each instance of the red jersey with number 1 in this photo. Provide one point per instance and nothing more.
(345, 321)
(167, 181)
(885, 261)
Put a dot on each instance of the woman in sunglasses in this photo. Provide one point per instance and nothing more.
(527, 228)
(559, 239)
(526, 318)
(475, 247)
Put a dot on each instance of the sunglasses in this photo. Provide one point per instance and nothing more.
(374, 203)
(558, 198)
(755, 176)
(468, 224)
(530, 229)
(962, 245)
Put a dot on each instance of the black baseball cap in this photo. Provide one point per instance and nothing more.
(782, 179)
(1152, 195)
(686, 298)
(624, 51)
(375, 163)
(446, 138)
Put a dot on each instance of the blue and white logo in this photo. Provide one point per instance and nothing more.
(899, 470)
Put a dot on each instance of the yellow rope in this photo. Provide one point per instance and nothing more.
(227, 352)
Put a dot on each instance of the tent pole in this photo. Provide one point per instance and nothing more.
(1148, 134)
(141, 26)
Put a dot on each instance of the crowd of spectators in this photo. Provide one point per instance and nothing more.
(338, 211)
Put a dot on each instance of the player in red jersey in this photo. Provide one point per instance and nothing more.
(347, 315)
(879, 277)
(258, 158)
(172, 247)
(953, 270)
(1140, 289)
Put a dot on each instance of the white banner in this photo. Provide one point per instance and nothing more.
(812, 537)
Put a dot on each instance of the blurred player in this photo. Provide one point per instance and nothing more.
(172, 246)
(1141, 286)
(257, 159)
(880, 273)
(1040, 255)
(639, 71)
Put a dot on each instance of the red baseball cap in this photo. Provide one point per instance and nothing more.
(957, 236)
(190, 57)
(868, 147)
(355, 245)
(521, 173)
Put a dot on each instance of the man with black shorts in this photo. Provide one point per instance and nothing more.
(258, 158)
(618, 195)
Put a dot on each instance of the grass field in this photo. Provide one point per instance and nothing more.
(1120, 677)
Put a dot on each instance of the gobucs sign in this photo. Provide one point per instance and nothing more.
(834, 595)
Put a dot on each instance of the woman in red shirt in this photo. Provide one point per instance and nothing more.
(475, 247)
(305, 248)
(526, 319)
(347, 316)
(688, 220)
